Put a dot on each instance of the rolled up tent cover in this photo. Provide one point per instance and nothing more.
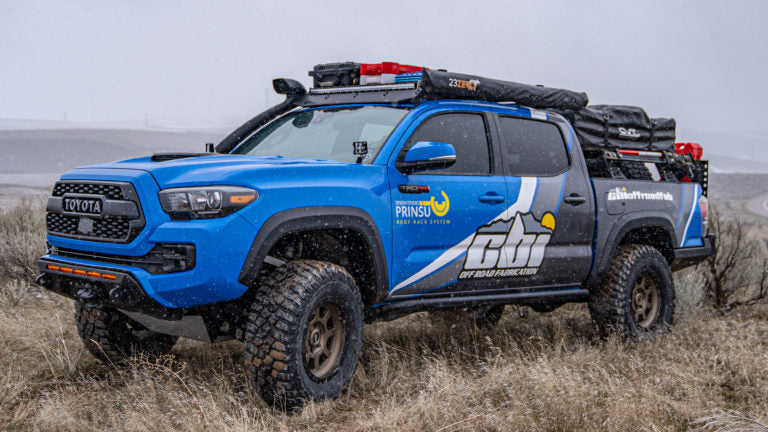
(619, 126)
(663, 137)
(453, 85)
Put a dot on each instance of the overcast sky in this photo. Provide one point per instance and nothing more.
(702, 62)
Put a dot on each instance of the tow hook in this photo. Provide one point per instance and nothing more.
(86, 294)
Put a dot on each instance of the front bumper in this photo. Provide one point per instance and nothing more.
(686, 257)
(95, 284)
(220, 248)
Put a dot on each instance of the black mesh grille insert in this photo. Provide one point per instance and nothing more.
(111, 228)
(111, 191)
(58, 223)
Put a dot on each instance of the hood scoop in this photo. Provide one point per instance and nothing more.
(162, 157)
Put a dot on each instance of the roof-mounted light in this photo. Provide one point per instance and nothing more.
(361, 89)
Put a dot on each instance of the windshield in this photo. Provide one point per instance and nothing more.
(326, 133)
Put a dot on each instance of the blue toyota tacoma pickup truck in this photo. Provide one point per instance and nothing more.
(349, 204)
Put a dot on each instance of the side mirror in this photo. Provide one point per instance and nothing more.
(209, 148)
(427, 155)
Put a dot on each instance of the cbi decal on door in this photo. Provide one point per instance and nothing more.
(509, 248)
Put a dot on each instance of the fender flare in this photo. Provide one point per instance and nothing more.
(627, 223)
(319, 217)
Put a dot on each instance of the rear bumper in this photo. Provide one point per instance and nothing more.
(685, 257)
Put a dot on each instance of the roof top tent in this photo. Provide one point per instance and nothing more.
(408, 84)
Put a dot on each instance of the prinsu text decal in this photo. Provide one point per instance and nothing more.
(509, 248)
(420, 212)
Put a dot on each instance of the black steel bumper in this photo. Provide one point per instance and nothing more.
(686, 257)
(96, 285)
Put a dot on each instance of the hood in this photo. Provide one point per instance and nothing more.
(205, 170)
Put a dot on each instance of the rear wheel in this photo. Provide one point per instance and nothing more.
(111, 336)
(637, 297)
(304, 333)
(635, 170)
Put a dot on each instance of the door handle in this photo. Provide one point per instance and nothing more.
(575, 199)
(491, 198)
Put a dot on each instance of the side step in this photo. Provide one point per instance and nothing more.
(392, 310)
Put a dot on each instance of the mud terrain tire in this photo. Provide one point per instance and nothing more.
(304, 333)
(637, 297)
(636, 170)
(112, 337)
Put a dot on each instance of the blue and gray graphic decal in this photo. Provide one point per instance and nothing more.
(512, 244)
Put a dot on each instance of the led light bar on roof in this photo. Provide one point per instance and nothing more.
(361, 89)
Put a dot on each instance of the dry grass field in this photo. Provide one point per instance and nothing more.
(532, 372)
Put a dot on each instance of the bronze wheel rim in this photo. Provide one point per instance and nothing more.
(324, 341)
(645, 301)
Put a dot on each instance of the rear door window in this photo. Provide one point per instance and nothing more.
(533, 147)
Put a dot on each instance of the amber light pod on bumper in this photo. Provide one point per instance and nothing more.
(80, 272)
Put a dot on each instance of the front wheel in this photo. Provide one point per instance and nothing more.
(637, 297)
(304, 333)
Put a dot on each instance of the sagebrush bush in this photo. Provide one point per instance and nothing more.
(22, 240)
(689, 293)
(737, 274)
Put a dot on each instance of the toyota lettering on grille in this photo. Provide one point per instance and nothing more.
(89, 206)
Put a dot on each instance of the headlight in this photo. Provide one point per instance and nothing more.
(205, 202)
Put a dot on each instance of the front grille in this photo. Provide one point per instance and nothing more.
(116, 228)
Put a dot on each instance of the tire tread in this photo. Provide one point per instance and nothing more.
(610, 303)
(273, 322)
